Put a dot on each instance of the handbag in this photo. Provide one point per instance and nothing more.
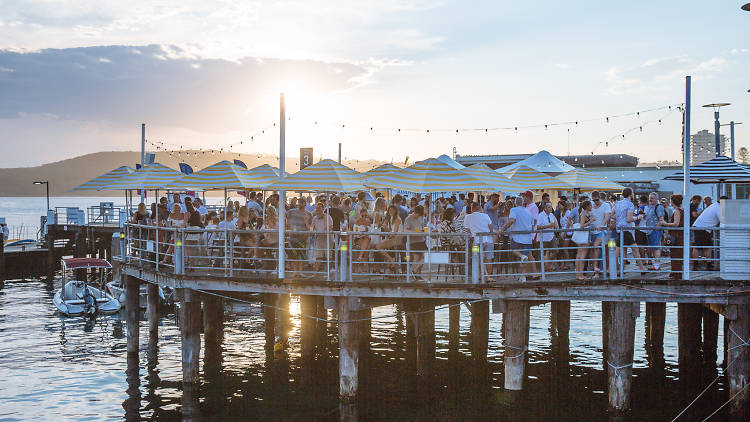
(579, 237)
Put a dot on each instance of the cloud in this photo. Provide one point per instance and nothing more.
(166, 84)
(650, 75)
(562, 65)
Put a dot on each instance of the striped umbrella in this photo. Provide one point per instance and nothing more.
(532, 179)
(501, 183)
(266, 171)
(718, 170)
(150, 177)
(222, 175)
(588, 181)
(430, 176)
(105, 180)
(323, 176)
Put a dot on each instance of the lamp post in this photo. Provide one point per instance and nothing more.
(46, 183)
(746, 7)
(717, 137)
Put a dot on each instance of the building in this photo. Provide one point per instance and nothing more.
(584, 161)
(703, 147)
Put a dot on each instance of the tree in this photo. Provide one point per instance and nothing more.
(743, 155)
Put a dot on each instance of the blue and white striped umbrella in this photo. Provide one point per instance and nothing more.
(105, 180)
(222, 175)
(323, 176)
(150, 177)
(430, 176)
(717, 170)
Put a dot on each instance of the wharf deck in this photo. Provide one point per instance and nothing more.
(704, 289)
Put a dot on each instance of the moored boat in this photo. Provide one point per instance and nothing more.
(76, 297)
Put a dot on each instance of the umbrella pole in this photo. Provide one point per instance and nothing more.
(328, 244)
(429, 239)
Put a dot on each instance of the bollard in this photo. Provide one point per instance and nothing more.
(475, 264)
(344, 267)
(179, 267)
(612, 245)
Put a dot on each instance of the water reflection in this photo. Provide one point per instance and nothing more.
(63, 360)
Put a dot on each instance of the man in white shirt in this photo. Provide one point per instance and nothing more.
(547, 221)
(704, 240)
(600, 212)
(520, 219)
(479, 222)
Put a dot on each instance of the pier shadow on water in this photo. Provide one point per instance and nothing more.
(62, 368)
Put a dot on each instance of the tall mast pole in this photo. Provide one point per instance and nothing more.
(282, 193)
(686, 185)
(143, 156)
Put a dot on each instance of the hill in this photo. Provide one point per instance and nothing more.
(67, 174)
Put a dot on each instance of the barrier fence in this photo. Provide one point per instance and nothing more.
(544, 255)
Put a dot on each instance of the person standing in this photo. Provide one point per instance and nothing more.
(655, 215)
(298, 220)
(704, 240)
(479, 222)
(624, 211)
(600, 212)
(521, 220)
(547, 221)
(675, 251)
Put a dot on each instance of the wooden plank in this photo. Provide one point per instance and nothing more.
(620, 349)
(516, 322)
(190, 326)
(602, 291)
(153, 313)
(348, 352)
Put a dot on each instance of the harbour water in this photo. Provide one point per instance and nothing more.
(55, 368)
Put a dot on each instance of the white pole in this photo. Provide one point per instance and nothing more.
(143, 156)
(282, 193)
(686, 185)
(731, 137)
(340, 151)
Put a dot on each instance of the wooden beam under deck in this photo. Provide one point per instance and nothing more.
(699, 291)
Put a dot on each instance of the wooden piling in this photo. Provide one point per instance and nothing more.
(688, 339)
(738, 367)
(480, 330)
(365, 328)
(50, 245)
(620, 348)
(132, 311)
(308, 307)
(425, 333)
(80, 252)
(516, 323)
(190, 333)
(348, 351)
(560, 314)
(656, 313)
(213, 327)
(153, 312)
(269, 318)
(454, 327)
(2, 258)
(710, 336)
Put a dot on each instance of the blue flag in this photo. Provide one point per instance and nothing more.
(137, 166)
(240, 163)
(185, 168)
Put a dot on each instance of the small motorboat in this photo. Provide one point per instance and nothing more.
(76, 297)
(117, 290)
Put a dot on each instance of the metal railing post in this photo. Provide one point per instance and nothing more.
(123, 242)
(622, 253)
(541, 258)
(350, 275)
(612, 245)
(481, 262)
(475, 264)
(466, 257)
(344, 267)
(156, 246)
(179, 263)
(408, 259)
(603, 258)
(231, 254)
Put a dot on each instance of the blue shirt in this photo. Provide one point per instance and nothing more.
(493, 215)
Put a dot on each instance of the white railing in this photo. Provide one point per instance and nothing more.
(437, 257)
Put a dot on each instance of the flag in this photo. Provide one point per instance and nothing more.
(240, 163)
(185, 168)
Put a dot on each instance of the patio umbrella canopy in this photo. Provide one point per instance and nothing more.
(543, 162)
(717, 170)
(323, 176)
(588, 181)
(500, 182)
(105, 180)
(532, 179)
(222, 175)
(431, 176)
(379, 170)
(266, 171)
(150, 177)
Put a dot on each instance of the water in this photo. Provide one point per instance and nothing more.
(55, 368)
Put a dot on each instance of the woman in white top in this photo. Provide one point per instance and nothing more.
(176, 220)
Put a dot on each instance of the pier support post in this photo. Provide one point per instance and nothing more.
(560, 310)
(425, 333)
(153, 313)
(269, 319)
(49, 243)
(738, 373)
(190, 332)
(80, 244)
(688, 339)
(516, 325)
(213, 327)
(348, 351)
(656, 313)
(480, 330)
(132, 310)
(454, 327)
(365, 327)
(2, 259)
(308, 308)
(621, 345)
(710, 336)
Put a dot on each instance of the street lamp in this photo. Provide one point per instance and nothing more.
(716, 107)
(46, 183)
(746, 7)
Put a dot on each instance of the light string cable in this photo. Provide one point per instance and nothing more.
(621, 136)
(171, 147)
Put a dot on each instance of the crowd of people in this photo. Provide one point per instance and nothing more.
(515, 235)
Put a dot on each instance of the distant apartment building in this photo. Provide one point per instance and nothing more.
(703, 146)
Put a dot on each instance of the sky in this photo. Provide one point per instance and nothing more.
(81, 76)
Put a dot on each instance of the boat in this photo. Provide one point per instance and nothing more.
(117, 290)
(76, 297)
(20, 242)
